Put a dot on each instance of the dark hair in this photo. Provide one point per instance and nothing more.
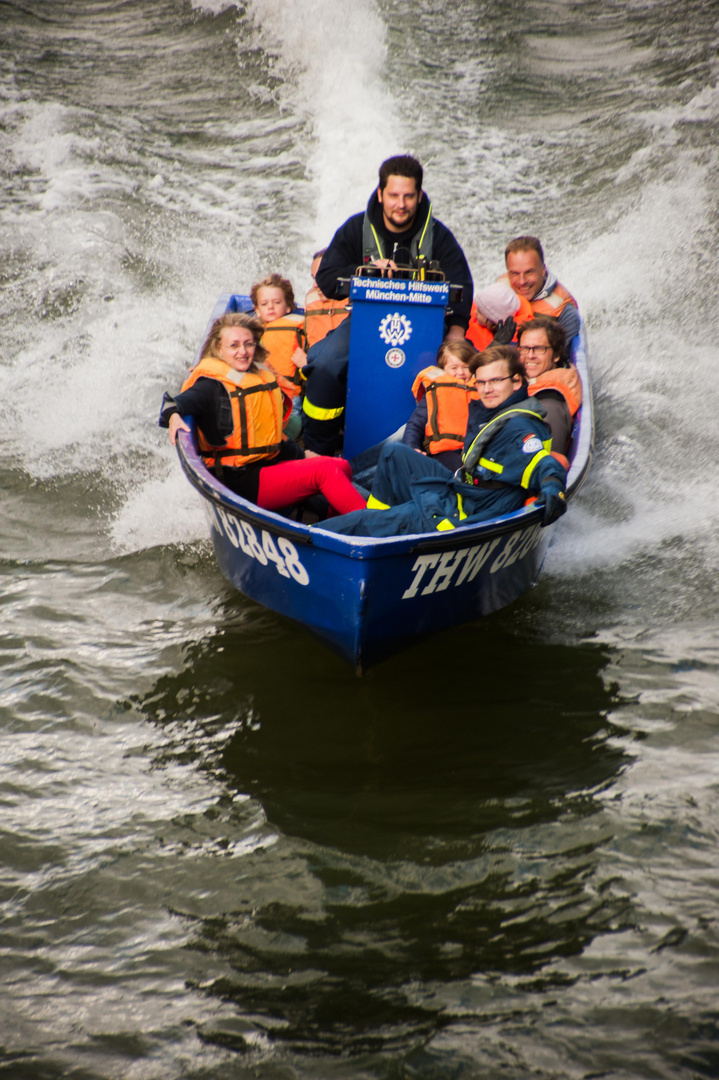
(556, 335)
(249, 322)
(458, 347)
(401, 165)
(508, 353)
(274, 281)
(524, 243)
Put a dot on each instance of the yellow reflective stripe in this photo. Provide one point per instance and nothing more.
(493, 466)
(321, 414)
(375, 504)
(485, 427)
(424, 230)
(447, 524)
(377, 241)
(530, 468)
(547, 444)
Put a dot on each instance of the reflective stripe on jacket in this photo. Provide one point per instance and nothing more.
(420, 244)
(479, 469)
(256, 402)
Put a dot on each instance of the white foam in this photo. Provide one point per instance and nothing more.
(159, 511)
(332, 58)
(81, 386)
(213, 7)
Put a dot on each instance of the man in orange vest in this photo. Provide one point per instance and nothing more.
(528, 275)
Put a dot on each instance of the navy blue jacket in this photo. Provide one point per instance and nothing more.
(422, 496)
(345, 254)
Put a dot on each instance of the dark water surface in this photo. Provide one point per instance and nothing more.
(223, 855)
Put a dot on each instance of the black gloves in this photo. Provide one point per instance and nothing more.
(504, 332)
(551, 496)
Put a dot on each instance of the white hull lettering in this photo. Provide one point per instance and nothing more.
(444, 567)
(517, 545)
(443, 574)
(477, 556)
(282, 554)
(422, 564)
(459, 566)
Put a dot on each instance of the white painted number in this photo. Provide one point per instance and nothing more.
(243, 536)
(294, 565)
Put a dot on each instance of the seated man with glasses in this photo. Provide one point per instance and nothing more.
(550, 378)
(506, 460)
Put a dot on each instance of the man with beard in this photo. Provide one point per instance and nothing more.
(398, 225)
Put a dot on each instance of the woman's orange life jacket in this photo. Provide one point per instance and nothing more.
(447, 408)
(566, 381)
(322, 315)
(481, 336)
(256, 402)
(553, 305)
(282, 338)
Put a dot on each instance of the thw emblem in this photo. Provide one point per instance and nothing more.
(395, 329)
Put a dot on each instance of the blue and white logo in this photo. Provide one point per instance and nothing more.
(395, 329)
(532, 446)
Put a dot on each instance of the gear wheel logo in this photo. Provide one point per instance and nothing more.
(395, 329)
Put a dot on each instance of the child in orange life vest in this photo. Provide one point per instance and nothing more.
(321, 313)
(284, 339)
(495, 311)
(439, 423)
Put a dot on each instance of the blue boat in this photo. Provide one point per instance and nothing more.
(367, 597)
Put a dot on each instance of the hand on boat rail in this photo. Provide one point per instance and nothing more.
(176, 424)
(551, 498)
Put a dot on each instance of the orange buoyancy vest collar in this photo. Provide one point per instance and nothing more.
(447, 408)
(256, 402)
(281, 338)
(323, 315)
(565, 380)
(554, 304)
(481, 336)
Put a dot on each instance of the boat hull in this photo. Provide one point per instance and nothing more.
(368, 597)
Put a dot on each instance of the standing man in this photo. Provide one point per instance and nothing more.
(397, 224)
(529, 277)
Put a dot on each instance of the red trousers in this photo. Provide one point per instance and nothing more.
(290, 481)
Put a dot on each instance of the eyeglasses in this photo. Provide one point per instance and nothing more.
(525, 350)
(488, 384)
